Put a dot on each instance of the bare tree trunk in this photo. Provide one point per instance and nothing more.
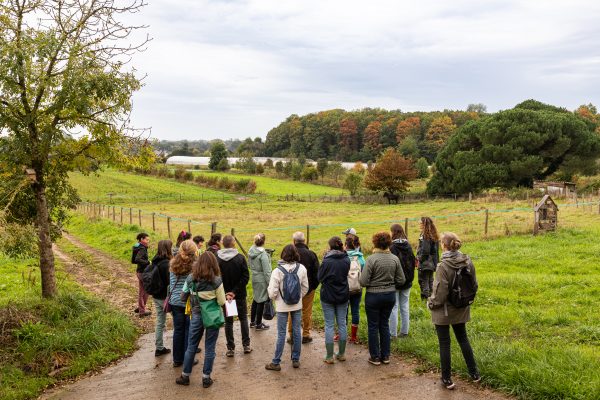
(45, 243)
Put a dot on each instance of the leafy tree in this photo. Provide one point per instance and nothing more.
(422, 167)
(269, 163)
(514, 147)
(322, 164)
(478, 108)
(439, 131)
(335, 170)
(411, 126)
(309, 173)
(223, 165)
(65, 96)
(372, 137)
(260, 169)
(359, 168)
(348, 137)
(247, 164)
(278, 167)
(218, 152)
(296, 170)
(409, 147)
(352, 182)
(391, 173)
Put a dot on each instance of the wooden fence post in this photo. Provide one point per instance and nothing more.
(307, 234)
(189, 227)
(169, 227)
(140, 217)
(470, 196)
(486, 222)
(121, 215)
(213, 228)
(130, 216)
(114, 215)
(238, 242)
(406, 227)
(153, 223)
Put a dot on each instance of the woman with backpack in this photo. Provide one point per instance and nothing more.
(181, 266)
(444, 313)
(260, 265)
(288, 284)
(381, 276)
(333, 276)
(428, 255)
(402, 249)
(354, 298)
(161, 261)
(204, 284)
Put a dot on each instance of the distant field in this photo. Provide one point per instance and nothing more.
(535, 330)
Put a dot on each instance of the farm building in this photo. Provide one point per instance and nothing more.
(556, 189)
(203, 161)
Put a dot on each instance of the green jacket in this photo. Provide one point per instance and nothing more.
(442, 312)
(382, 272)
(260, 265)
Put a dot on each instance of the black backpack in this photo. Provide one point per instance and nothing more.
(463, 287)
(134, 252)
(151, 280)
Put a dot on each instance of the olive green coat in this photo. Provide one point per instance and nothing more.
(260, 265)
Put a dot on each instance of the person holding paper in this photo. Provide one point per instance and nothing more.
(235, 274)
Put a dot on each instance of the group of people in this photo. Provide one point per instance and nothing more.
(192, 278)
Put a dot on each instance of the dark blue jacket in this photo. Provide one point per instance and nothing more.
(333, 275)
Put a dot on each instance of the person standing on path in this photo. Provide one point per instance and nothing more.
(235, 274)
(333, 275)
(181, 266)
(161, 261)
(381, 276)
(139, 256)
(354, 298)
(310, 261)
(278, 292)
(444, 314)
(428, 255)
(260, 265)
(402, 249)
(203, 284)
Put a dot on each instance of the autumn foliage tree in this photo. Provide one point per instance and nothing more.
(440, 130)
(391, 173)
(411, 126)
(348, 136)
(372, 137)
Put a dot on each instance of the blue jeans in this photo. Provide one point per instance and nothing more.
(282, 319)
(379, 307)
(402, 298)
(181, 328)
(355, 307)
(210, 342)
(332, 312)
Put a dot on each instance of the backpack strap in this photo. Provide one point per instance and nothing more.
(295, 271)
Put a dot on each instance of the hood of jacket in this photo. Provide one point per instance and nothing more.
(157, 259)
(401, 243)
(288, 266)
(336, 254)
(227, 254)
(255, 251)
(354, 253)
(455, 259)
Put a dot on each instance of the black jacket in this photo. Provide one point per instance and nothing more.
(333, 275)
(234, 272)
(403, 250)
(163, 271)
(140, 257)
(309, 259)
(428, 254)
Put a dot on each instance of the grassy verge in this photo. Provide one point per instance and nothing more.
(45, 341)
(535, 326)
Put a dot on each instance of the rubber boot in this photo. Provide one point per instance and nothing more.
(329, 357)
(353, 335)
(342, 351)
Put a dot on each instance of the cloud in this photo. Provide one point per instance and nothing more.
(238, 68)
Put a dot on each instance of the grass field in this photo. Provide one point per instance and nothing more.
(535, 328)
(75, 331)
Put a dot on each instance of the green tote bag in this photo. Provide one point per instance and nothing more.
(212, 314)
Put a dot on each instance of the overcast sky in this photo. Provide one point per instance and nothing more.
(233, 69)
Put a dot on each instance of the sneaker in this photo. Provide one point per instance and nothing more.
(230, 353)
(385, 360)
(177, 364)
(161, 352)
(137, 310)
(183, 380)
(145, 314)
(448, 384)
(296, 363)
(252, 324)
(403, 335)
(476, 378)
(273, 367)
(374, 360)
(306, 339)
(247, 349)
(262, 327)
(206, 382)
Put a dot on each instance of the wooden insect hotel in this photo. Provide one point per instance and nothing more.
(546, 215)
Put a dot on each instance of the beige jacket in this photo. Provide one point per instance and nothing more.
(276, 284)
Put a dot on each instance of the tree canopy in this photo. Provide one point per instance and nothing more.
(391, 173)
(218, 153)
(512, 148)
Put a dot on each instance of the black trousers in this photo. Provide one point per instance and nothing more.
(460, 331)
(425, 283)
(256, 312)
(243, 318)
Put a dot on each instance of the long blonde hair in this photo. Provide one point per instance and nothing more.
(181, 264)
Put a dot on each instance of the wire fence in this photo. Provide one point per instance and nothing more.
(470, 225)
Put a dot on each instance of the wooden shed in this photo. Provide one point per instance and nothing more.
(556, 189)
(546, 215)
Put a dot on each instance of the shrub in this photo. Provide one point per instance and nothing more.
(260, 169)
(18, 241)
(309, 173)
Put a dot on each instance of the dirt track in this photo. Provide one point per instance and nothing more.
(142, 376)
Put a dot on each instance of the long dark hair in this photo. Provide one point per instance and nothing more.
(397, 232)
(335, 243)
(206, 268)
(183, 235)
(164, 249)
